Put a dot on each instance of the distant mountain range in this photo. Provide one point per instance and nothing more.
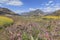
(38, 12)
(56, 13)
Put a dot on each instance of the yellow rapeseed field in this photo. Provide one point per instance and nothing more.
(52, 17)
(5, 21)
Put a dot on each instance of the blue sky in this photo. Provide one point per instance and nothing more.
(20, 6)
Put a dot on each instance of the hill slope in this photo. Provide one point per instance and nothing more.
(35, 12)
(56, 13)
(5, 11)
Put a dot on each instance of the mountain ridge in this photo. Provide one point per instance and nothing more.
(37, 12)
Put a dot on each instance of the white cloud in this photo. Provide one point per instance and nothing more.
(47, 9)
(32, 9)
(51, 9)
(50, 2)
(51, 6)
(57, 7)
(15, 3)
(3, 1)
(12, 2)
(19, 11)
(47, 4)
(0, 4)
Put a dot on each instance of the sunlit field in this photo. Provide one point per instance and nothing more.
(51, 17)
(4, 21)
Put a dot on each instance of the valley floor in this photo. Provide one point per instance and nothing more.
(32, 28)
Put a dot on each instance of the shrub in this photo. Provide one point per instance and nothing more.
(25, 36)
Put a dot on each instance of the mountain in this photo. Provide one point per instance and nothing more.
(37, 12)
(56, 13)
(6, 12)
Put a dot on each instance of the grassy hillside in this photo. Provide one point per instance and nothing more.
(5, 21)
